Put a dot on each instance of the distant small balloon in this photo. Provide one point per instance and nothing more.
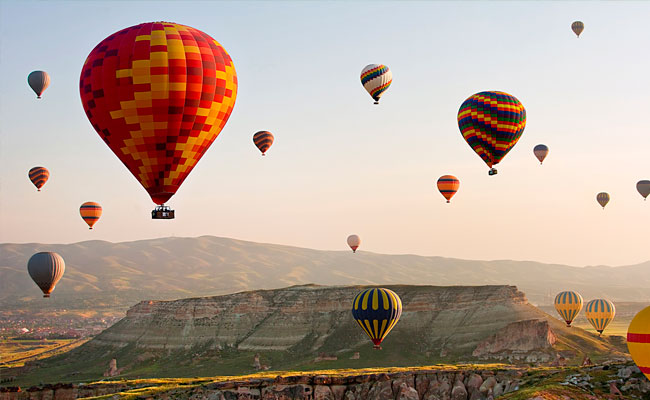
(448, 186)
(540, 151)
(38, 176)
(354, 241)
(90, 212)
(568, 304)
(643, 187)
(46, 269)
(577, 27)
(602, 198)
(376, 78)
(38, 81)
(263, 140)
(600, 313)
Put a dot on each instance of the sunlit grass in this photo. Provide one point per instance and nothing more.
(14, 353)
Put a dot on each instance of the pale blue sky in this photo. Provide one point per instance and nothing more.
(341, 165)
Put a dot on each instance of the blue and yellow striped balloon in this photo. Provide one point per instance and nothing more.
(568, 304)
(600, 313)
(377, 311)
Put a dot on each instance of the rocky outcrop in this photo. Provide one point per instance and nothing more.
(528, 340)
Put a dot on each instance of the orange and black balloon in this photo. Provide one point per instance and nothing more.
(448, 186)
(90, 212)
(263, 140)
(38, 176)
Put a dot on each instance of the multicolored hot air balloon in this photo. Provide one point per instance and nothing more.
(354, 241)
(376, 78)
(540, 151)
(638, 340)
(46, 269)
(38, 176)
(158, 94)
(643, 187)
(577, 27)
(602, 198)
(263, 140)
(491, 123)
(600, 313)
(568, 304)
(38, 81)
(448, 186)
(90, 212)
(377, 311)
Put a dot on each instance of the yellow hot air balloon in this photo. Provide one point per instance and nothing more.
(638, 340)
(568, 304)
(600, 313)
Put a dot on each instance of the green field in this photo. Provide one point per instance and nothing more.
(14, 353)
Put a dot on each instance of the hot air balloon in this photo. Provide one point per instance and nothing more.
(638, 340)
(602, 198)
(643, 187)
(263, 140)
(577, 27)
(46, 269)
(600, 313)
(377, 311)
(38, 81)
(90, 212)
(568, 304)
(38, 176)
(376, 78)
(540, 151)
(354, 241)
(448, 186)
(491, 123)
(158, 94)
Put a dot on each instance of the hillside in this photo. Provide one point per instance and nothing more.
(310, 327)
(117, 275)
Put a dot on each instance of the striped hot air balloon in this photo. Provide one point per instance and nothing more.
(90, 212)
(577, 27)
(448, 186)
(38, 81)
(263, 140)
(376, 78)
(38, 176)
(602, 198)
(643, 187)
(540, 151)
(46, 269)
(491, 123)
(377, 311)
(600, 313)
(354, 241)
(568, 304)
(638, 340)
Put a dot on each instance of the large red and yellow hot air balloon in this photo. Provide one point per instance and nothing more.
(491, 123)
(448, 186)
(158, 94)
(90, 213)
(38, 176)
(638, 340)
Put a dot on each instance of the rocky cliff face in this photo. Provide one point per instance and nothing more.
(529, 340)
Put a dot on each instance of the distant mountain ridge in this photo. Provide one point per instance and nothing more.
(117, 275)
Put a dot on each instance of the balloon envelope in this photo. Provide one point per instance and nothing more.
(90, 212)
(600, 313)
(354, 241)
(376, 78)
(568, 304)
(491, 123)
(46, 269)
(158, 94)
(577, 27)
(38, 81)
(643, 187)
(263, 140)
(38, 176)
(377, 311)
(602, 198)
(540, 151)
(448, 186)
(638, 340)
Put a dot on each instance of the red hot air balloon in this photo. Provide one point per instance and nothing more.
(38, 176)
(354, 241)
(158, 94)
(263, 140)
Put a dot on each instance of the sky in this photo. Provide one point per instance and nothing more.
(339, 164)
